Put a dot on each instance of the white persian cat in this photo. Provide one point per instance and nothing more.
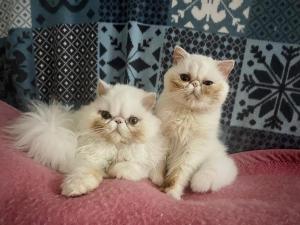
(195, 88)
(116, 135)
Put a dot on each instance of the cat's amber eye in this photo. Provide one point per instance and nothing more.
(105, 115)
(185, 77)
(207, 82)
(133, 120)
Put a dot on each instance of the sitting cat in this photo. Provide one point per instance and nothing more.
(116, 135)
(195, 88)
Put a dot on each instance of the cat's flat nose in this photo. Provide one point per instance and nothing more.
(195, 83)
(118, 120)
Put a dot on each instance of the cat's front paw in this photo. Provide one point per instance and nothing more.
(76, 185)
(204, 182)
(157, 179)
(126, 171)
(173, 193)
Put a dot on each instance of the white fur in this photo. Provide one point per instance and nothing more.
(121, 157)
(191, 124)
(46, 134)
(65, 140)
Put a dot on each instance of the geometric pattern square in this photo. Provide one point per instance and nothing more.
(269, 88)
(14, 14)
(217, 46)
(5, 8)
(17, 74)
(65, 63)
(218, 16)
(275, 20)
(130, 53)
(49, 13)
(144, 11)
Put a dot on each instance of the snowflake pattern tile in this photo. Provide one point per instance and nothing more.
(14, 14)
(275, 20)
(269, 89)
(65, 63)
(130, 53)
(47, 13)
(222, 16)
(144, 11)
(215, 45)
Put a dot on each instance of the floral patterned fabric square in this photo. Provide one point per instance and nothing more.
(215, 16)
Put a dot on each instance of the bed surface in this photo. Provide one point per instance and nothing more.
(267, 192)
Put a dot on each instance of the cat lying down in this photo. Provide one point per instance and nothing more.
(117, 135)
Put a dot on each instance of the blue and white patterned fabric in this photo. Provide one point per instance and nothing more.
(57, 49)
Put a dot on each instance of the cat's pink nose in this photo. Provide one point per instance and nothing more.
(118, 120)
(195, 83)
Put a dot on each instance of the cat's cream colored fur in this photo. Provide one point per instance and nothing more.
(195, 88)
(88, 147)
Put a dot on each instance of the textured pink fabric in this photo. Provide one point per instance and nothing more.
(267, 192)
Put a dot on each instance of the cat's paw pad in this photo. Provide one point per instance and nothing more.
(78, 185)
(204, 183)
(173, 193)
(121, 171)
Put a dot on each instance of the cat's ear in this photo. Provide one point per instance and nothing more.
(102, 87)
(225, 66)
(179, 54)
(149, 100)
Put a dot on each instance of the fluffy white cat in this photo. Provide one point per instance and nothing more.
(116, 135)
(195, 88)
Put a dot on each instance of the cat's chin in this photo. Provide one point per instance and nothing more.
(193, 102)
(116, 138)
(188, 100)
(193, 96)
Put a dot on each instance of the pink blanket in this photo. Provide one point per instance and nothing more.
(267, 192)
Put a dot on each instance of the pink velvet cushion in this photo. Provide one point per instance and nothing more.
(267, 192)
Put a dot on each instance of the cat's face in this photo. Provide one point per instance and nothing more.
(123, 114)
(197, 81)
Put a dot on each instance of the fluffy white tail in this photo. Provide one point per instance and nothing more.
(46, 133)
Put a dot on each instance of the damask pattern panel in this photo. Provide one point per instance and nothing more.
(14, 14)
(48, 13)
(214, 45)
(275, 20)
(130, 53)
(17, 79)
(65, 58)
(144, 11)
(239, 139)
(269, 89)
(214, 16)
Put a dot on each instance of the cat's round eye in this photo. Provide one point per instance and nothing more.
(207, 82)
(105, 115)
(185, 77)
(133, 120)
